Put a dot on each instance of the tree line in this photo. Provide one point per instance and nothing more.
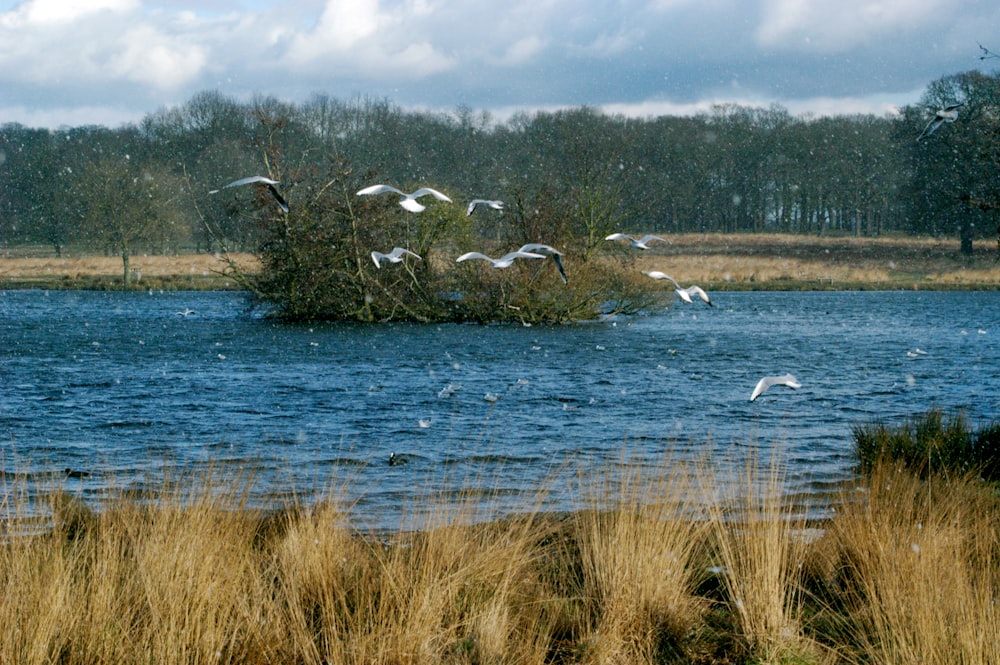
(570, 176)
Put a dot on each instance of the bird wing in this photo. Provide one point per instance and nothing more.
(472, 205)
(700, 292)
(790, 381)
(277, 197)
(646, 239)
(250, 179)
(929, 129)
(400, 251)
(520, 255)
(656, 274)
(761, 387)
(433, 192)
(619, 236)
(539, 248)
(377, 258)
(379, 189)
(472, 255)
(557, 257)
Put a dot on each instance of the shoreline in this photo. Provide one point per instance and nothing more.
(717, 262)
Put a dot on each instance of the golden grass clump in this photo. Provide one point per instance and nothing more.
(916, 566)
(661, 563)
(638, 570)
(759, 543)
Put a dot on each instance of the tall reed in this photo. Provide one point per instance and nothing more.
(760, 542)
(915, 566)
(656, 565)
(638, 565)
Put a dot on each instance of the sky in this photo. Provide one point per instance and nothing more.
(109, 62)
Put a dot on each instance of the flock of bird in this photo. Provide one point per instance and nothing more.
(409, 202)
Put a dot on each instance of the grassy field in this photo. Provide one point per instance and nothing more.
(906, 571)
(715, 261)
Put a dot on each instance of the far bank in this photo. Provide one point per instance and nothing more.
(720, 262)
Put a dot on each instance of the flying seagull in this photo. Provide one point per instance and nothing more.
(261, 179)
(496, 205)
(546, 250)
(768, 381)
(947, 114)
(395, 256)
(504, 261)
(987, 53)
(409, 201)
(685, 294)
(641, 243)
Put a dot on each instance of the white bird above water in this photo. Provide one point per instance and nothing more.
(641, 243)
(258, 179)
(546, 250)
(409, 201)
(684, 293)
(504, 261)
(496, 205)
(947, 114)
(395, 256)
(768, 381)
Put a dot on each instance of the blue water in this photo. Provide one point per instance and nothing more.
(122, 387)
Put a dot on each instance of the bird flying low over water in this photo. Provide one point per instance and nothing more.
(546, 250)
(395, 256)
(496, 205)
(947, 114)
(641, 243)
(258, 179)
(409, 201)
(768, 381)
(683, 293)
(504, 261)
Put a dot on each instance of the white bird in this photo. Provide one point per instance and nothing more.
(395, 256)
(255, 179)
(641, 243)
(409, 201)
(684, 294)
(187, 311)
(496, 205)
(504, 261)
(546, 250)
(768, 381)
(947, 114)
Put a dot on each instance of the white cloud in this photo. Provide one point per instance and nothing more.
(152, 58)
(522, 51)
(838, 26)
(878, 105)
(355, 38)
(34, 12)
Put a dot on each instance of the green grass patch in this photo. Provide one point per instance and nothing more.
(931, 443)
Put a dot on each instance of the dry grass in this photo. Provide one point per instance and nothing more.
(760, 543)
(716, 261)
(907, 571)
(916, 564)
(152, 271)
(788, 261)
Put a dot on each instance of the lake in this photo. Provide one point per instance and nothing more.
(128, 390)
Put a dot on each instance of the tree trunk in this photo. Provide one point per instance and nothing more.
(965, 234)
(125, 269)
